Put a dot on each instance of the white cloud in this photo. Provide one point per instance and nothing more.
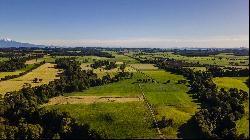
(164, 42)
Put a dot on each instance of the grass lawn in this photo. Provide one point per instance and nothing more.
(114, 120)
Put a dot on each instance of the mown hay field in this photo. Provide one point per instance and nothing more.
(46, 72)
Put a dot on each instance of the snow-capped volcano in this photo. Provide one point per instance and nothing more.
(5, 39)
(7, 42)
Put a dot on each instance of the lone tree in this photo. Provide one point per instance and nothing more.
(35, 80)
(40, 80)
(122, 67)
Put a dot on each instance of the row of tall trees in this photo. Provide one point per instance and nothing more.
(12, 65)
(22, 73)
(16, 63)
(108, 64)
(79, 52)
(220, 109)
(228, 71)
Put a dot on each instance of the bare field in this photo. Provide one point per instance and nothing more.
(90, 99)
(144, 66)
(101, 71)
(46, 72)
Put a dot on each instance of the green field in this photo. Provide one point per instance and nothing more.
(220, 59)
(231, 82)
(114, 120)
(113, 89)
(167, 99)
(170, 100)
(242, 125)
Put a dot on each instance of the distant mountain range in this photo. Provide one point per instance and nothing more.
(6, 42)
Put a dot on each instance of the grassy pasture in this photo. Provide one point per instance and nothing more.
(170, 100)
(162, 76)
(114, 120)
(45, 72)
(231, 82)
(220, 59)
(125, 87)
(242, 125)
(123, 58)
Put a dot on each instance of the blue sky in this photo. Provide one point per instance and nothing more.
(132, 23)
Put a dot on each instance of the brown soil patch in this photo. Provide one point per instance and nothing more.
(90, 99)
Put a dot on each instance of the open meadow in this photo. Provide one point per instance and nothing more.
(152, 104)
(170, 100)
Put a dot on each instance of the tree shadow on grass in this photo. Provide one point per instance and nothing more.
(189, 130)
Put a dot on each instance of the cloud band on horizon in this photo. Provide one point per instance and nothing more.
(216, 41)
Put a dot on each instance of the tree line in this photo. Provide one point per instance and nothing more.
(228, 71)
(22, 73)
(220, 109)
(79, 52)
(108, 64)
(15, 63)
(21, 116)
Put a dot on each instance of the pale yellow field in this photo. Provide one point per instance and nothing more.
(101, 71)
(144, 66)
(86, 66)
(33, 61)
(46, 72)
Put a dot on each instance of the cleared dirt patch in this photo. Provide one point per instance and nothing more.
(144, 66)
(118, 63)
(46, 72)
(90, 99)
